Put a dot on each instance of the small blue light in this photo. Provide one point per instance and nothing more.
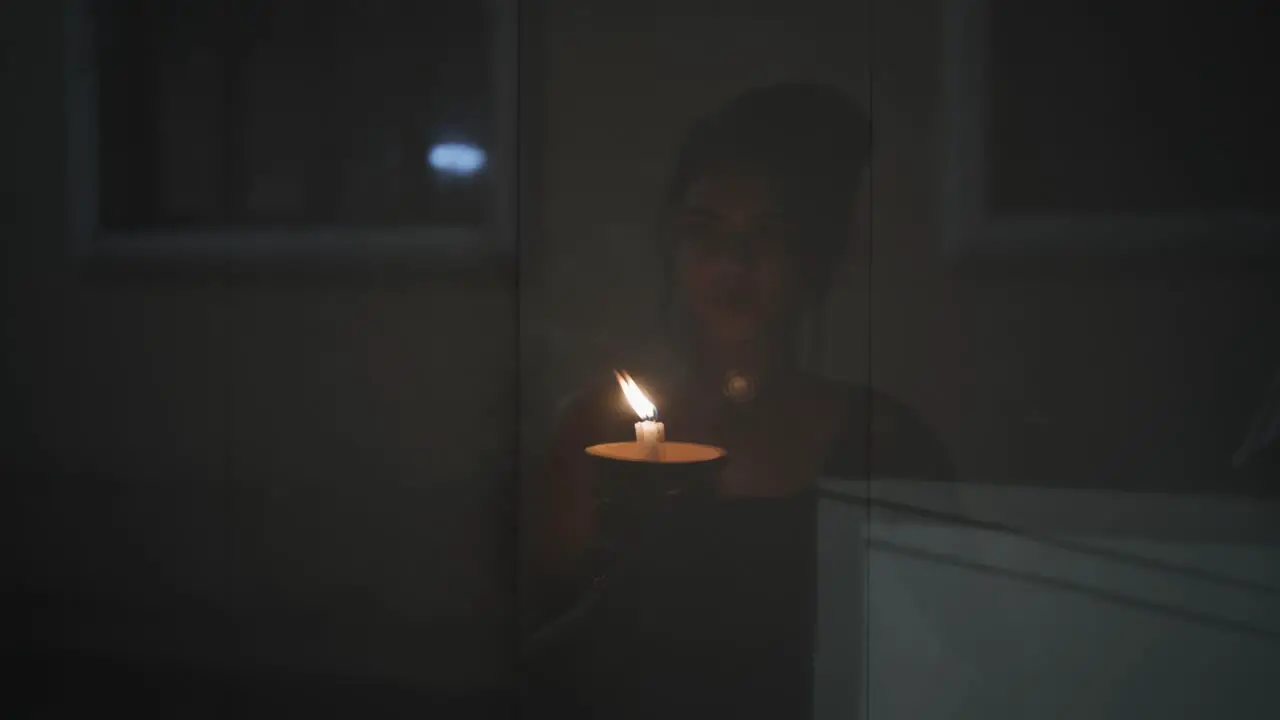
(456, 158)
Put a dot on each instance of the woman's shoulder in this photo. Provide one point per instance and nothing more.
(858, 399)
(883, 435)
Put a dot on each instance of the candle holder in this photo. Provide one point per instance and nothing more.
(638, 489)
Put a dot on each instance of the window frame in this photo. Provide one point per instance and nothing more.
(435, 245)
(968, 228)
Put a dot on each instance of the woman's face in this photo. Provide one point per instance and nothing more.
(732, 265)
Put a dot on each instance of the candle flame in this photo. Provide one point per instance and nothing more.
(635, 396)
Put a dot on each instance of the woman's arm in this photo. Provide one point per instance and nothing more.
(560, 511)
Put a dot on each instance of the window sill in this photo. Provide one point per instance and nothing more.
(320, 249)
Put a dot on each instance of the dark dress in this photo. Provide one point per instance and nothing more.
(711, 612)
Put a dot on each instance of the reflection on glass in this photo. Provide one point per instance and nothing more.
(456, 158)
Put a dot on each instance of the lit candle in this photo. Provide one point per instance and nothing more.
(649, 432)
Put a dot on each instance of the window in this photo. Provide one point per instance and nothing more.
(260, 127)
(1112, 130)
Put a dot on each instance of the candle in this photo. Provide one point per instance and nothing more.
(650, 434)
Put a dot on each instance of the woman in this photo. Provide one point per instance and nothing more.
(756, 216)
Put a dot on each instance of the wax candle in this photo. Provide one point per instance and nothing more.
(650, 433)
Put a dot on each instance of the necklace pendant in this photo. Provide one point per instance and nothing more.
(739, 388)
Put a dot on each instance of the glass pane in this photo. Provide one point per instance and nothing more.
(683, 145)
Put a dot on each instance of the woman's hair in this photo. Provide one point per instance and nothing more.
(810, 141)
